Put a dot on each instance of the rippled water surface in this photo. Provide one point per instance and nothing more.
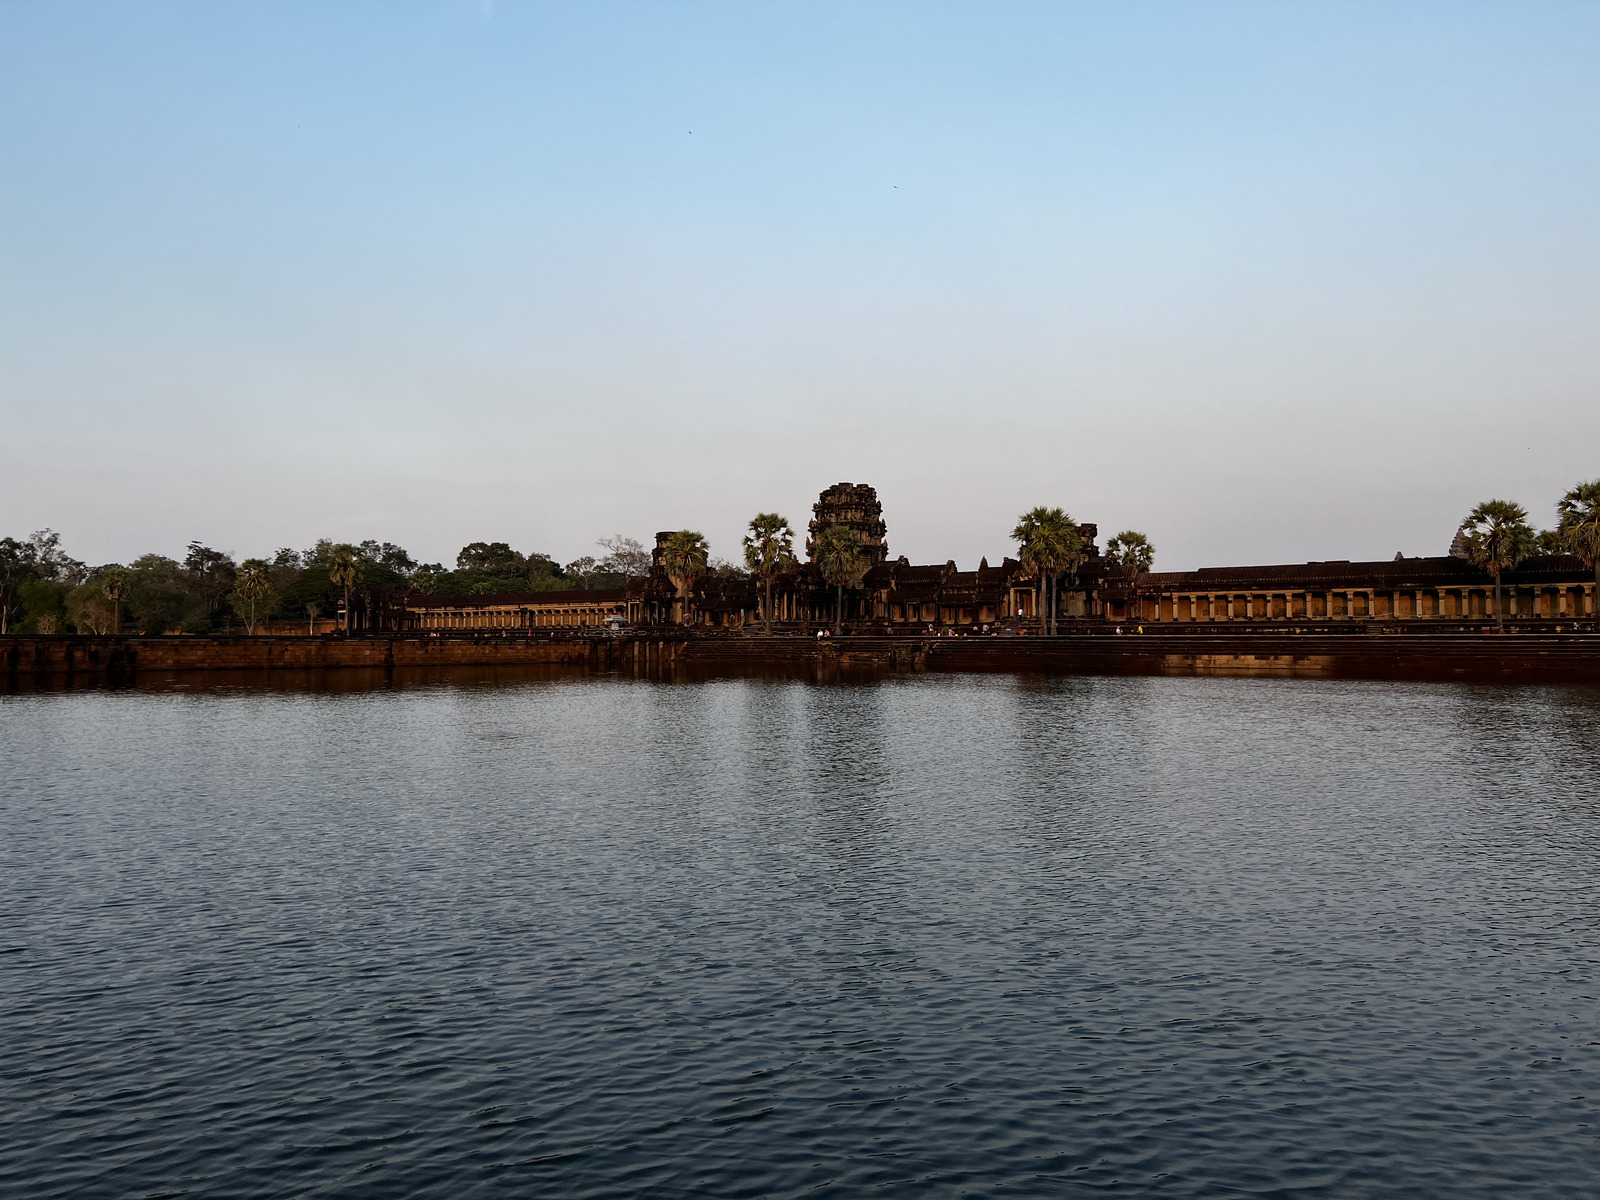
(917, 936)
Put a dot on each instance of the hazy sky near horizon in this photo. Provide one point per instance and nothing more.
(1267, 281)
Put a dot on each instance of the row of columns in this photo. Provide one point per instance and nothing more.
(509, 619)
(1570, 601)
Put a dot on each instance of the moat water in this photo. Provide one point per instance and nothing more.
(899, 937)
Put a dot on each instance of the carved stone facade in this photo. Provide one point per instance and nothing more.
(856, 507)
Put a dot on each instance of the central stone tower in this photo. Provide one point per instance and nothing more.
(856, 507)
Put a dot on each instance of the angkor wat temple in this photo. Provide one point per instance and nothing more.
(896, 596)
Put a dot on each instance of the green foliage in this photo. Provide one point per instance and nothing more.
(769, 551)
(89, 610)
(1579, 516)
(17, 569)
(1550, 541)
(252, 592)
(484, 568)
(1496, 537)
(769, 546)
(210, 573)
(544, 574)
(683, 558)
(842, 563)
(345, 568)
(491, 559)
(114, 585)
(584, 571)
(312, 585)
(1048, 545)
(163, 596)
(44, 607)
(839, 556)
(50, 562)
(387, 559)
(1131, 551)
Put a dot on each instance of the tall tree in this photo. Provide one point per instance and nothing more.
(210, 573)
(768, 551)
(492, 558)
(18, 565)
(1132, 551)
(1579, 516)
(583, 569)
(51, 562)
(253, 588)
(87, 608)
(839, 558)
(1048, 544)
(345, 570)
(625, 556)
(683, 558)
(1496, 537)
(114, 586)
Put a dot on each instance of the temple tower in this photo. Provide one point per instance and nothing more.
(855, 506)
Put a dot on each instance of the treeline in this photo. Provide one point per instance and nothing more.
(45, 590)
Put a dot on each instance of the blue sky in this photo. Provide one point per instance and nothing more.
(1267, 281)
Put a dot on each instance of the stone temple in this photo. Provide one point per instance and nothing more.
(856, 507)
(897, 596)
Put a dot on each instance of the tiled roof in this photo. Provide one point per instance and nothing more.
(1398, 574)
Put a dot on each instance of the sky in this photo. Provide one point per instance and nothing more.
(1269, 282)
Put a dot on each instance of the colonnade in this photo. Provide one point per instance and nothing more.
(567, 617)
(1570, 601)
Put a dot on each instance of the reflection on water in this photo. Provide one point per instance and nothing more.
(518, 931)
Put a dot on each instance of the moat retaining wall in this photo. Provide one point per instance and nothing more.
(131, 655)
(1565, 657)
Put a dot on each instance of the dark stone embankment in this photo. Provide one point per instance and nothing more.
(1396, 652)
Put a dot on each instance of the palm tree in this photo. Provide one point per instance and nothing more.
(769, 549)
(683, 558)
(1579, 525)
(1132, 551)
(253, 584)
(1496, 536)
(345, 571)
(839, 558)
(114, 586)
(1049, 544)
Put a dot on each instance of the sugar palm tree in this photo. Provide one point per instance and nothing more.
(768, 549)
(114, 586)
(345, 571)
(1048, 545)
(839, 558)
(253, 584)
(1496, 536)
(684, 557)
(1132, 551)
(1024, 534)
(1579, 514)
